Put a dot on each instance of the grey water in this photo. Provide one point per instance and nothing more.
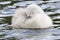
(7, 9)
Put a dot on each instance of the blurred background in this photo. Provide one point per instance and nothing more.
(8, 7)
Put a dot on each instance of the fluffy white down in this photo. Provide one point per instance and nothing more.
(38, 18)
(19, 17)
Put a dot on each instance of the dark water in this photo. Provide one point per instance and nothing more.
(7, 8)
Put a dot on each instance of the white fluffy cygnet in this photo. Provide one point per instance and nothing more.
(38, 19)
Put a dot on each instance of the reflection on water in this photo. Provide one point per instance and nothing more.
(51, 8)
